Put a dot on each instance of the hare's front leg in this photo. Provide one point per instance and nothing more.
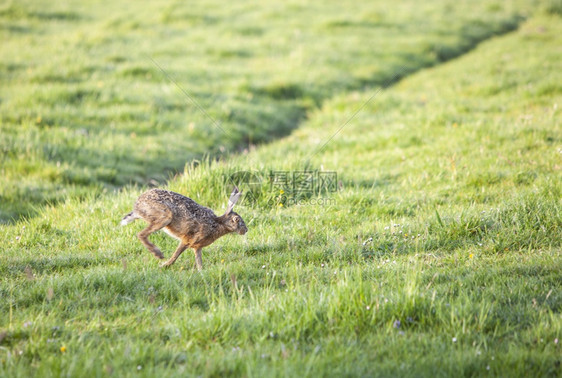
(198, 259)
(181, 247)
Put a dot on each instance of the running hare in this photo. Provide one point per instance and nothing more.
(195, 226)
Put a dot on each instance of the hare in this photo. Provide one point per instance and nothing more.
(195, 226)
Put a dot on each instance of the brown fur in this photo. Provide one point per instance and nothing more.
(195, 226)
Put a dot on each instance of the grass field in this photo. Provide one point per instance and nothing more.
(438, 255)
(85, 106)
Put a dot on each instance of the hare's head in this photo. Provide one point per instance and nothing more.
(233, 221)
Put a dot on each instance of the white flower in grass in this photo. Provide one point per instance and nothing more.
(454, 339)
(139, 367)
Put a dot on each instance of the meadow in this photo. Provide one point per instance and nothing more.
(436, 253)
(92, 94)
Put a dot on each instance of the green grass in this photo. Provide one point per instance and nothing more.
(84, 109)
(439, 255)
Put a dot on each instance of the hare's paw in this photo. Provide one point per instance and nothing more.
(166, 264)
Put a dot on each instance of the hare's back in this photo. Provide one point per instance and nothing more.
(181, 206)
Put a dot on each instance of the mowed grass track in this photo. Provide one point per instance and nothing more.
(85, 108)
(438, 256)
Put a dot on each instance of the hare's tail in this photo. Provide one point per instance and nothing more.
(128, 218)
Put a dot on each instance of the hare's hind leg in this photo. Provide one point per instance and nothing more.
(155, 223)
(143, 237)
(181, 247)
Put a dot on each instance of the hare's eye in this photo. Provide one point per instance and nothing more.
(235, 219)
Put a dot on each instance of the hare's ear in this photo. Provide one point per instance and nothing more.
(232, 200)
